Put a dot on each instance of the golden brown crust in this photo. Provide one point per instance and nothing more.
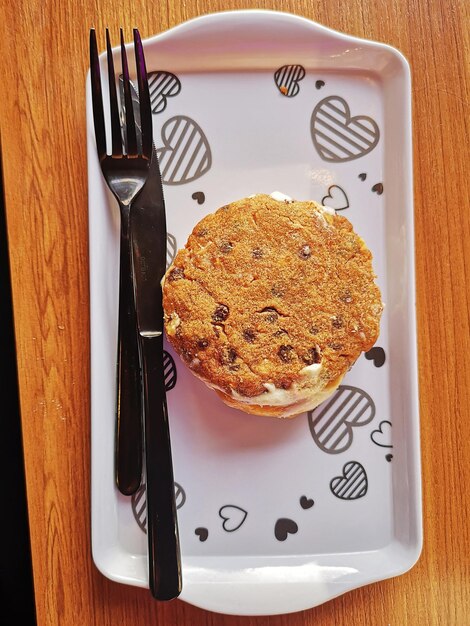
(264, 288)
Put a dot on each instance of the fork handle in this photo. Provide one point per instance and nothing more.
(165, 580)
(128, 441)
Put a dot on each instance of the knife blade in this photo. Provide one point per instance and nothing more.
(149, 241)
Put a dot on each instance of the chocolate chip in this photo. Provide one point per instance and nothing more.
(271, 314)
(175, 274)
(249, 335)
(202, 344)
(313, 355)
(346, 297)
(187, 354)
(305, 252)
(231, 355)
(202, 232)
(228, 356)
(285, 353)
(226, 247)
(337, 322)
(281, 331)
(256, 253)
(220, 314)
(314, 330)
(336, 346)
(278, 290)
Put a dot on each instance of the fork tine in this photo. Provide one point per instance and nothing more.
(130, 124)
(113, 103)
(96, 97)
(144, 97)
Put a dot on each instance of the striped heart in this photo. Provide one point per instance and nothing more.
(337, 136)
(169, 371)
(162, 85)
(332, 423)
(139, 504)
(171, 248)
(186, 154)
(352, 485)
(287, 79)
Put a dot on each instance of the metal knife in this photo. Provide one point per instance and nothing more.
(148, 233)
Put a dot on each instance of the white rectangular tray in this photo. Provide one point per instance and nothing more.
(274, 516)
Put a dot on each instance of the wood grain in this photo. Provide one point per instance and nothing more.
(44, 46)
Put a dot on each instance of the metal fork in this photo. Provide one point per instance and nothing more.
(125, 173)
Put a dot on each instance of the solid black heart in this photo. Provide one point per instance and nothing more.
(202, 533)
(319, 84)
(284, 527)
(199, 197)
(363, 176)
(306, 503)
(377, 355)
(378, 188)
(389, 457)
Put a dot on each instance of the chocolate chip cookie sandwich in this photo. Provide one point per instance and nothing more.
(270, 303)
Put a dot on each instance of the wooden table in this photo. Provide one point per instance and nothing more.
(44, 47)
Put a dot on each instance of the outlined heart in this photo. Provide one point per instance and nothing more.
(162, 85)
(186, 154)
(382, 436)
(287, 79)
(352, 485)
(336, 198)
(339, 137)
(331, 424)
(233, 516)
(284, 527)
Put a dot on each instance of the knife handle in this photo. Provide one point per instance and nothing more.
(128, 441)
(165, 580)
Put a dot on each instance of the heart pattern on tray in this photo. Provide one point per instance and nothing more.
(287, 79)
(352, 485)
(376, 355)
(171, 249)
(285, 527)
(186, 154)
(336, 198)
(170, 372)
(332, 423)
(233, 517)
(306, 503)
(338, 136)
(139, 504)
(382, 436)
(162, 85)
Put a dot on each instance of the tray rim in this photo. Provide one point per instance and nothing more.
(187, 28)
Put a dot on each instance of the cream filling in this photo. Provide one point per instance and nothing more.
(303, 396)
